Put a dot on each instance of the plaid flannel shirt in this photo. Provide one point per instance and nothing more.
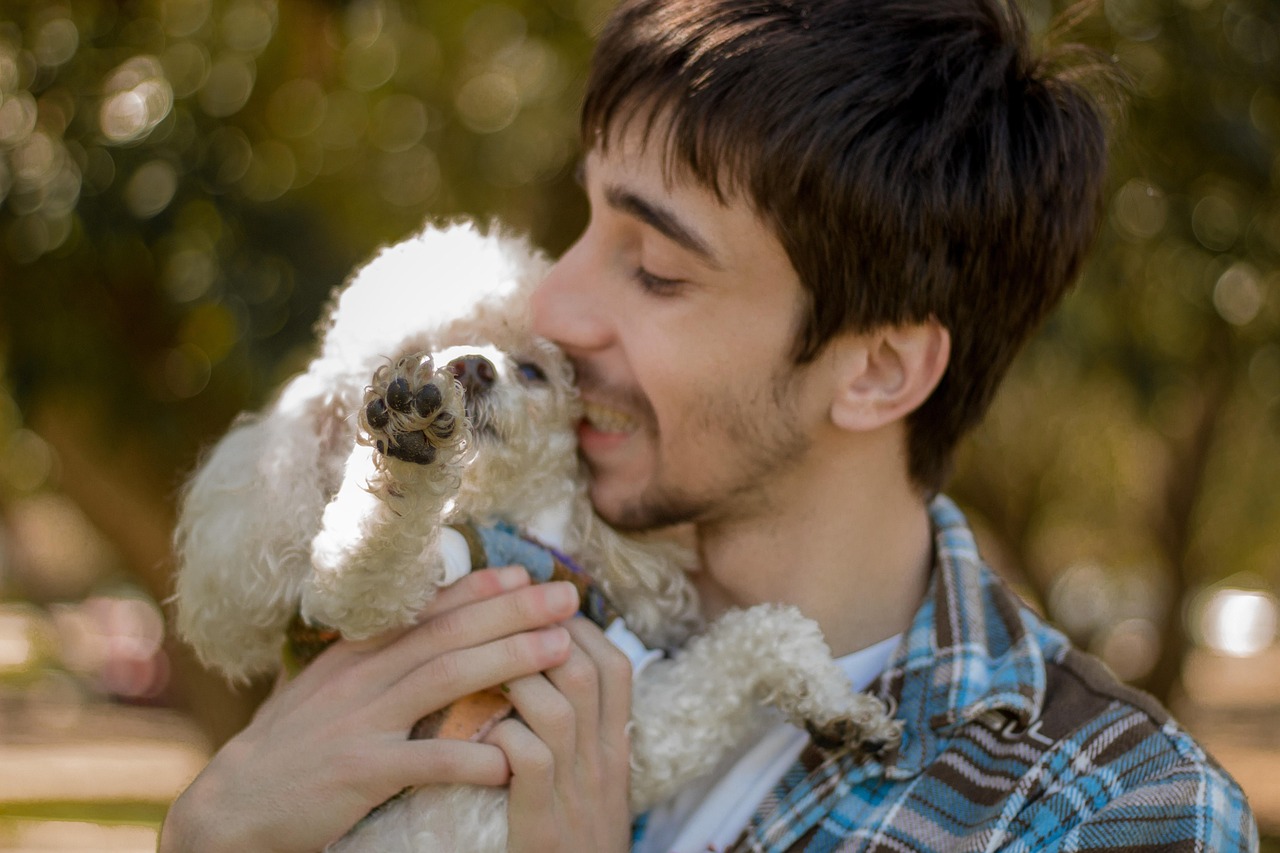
(1013, 741)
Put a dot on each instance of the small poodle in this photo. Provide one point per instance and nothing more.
(434, 432)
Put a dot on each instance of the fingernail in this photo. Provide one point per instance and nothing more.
(561, 594)
(510, 577)
(554, 640)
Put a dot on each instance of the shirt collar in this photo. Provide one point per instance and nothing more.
(969, 652)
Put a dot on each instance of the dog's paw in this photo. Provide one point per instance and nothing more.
(866, 727)
(833, 734)
(413, 412)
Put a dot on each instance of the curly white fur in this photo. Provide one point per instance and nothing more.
(298, 507)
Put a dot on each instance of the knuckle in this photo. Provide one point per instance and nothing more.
(535, 757)
(446, 669)
(505, 733)
(342, 687)
(595, 777)
(578, 673)
(527, 608)
(525, 752)
(521, 651)
(449, 627)
(522, 655)
(559, 716)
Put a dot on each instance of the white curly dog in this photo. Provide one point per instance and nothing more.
(431, 418)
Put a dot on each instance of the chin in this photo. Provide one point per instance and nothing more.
(641, 512)
(613, 508)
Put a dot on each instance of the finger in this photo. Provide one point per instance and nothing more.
(476, 586)
(451, 675)
(376, 774)
(521, 610)
(532, 766)
(566, 730)
(356, 673)
(577, 681)
(614, 673)
(442, 761)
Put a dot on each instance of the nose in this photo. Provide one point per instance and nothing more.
(475, 373)
(568, 305)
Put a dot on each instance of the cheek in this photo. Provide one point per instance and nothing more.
(696, 383)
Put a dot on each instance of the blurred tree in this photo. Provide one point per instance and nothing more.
(182, 182)
(1134, 447)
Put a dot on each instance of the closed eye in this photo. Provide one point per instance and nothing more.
(656, 284)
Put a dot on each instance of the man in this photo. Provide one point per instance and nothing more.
(819, 231)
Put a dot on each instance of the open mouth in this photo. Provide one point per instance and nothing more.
(602, 418)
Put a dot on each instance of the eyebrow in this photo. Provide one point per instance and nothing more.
(661, 219)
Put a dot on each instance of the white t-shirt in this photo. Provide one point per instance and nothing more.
(709, 815)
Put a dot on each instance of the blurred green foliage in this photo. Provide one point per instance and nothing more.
(1133, 453)
(183, 181)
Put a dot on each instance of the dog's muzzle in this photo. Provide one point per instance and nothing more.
(475, 373)
(477, 376)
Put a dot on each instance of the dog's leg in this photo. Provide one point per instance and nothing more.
(376, 557)
(689, 711)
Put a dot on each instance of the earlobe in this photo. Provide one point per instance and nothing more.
(886, 374)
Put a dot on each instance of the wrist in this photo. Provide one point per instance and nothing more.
(196, 821)
(181, 829)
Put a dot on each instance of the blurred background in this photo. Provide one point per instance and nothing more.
(183, 181)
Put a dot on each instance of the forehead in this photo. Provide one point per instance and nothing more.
(632, 164)
(644, 144)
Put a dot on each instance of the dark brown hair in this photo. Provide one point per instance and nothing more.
(913, 157)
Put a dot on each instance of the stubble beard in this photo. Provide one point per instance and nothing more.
(763, 437)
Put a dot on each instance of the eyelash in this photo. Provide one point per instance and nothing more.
(656, 284)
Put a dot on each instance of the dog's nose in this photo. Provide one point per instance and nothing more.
(476, 373)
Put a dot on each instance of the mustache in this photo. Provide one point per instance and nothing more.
(594, 385)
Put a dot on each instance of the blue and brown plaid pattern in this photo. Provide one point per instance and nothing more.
(1013, 741)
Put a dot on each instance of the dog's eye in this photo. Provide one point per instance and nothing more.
(530, 372)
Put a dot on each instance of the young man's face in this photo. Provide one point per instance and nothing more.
(679, 314)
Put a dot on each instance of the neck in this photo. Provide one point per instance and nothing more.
(846, 539)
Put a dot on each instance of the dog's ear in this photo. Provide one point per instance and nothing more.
(885, 374)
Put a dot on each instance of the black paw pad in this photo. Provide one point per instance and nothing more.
(428, 400)
(399, 396)
(410, 447)
(376, 414)
(413, 412)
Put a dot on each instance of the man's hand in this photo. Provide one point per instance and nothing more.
(332, 744)
(570, 758)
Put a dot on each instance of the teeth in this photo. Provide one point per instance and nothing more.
(604, 419)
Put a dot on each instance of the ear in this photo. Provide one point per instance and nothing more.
(886, 374)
